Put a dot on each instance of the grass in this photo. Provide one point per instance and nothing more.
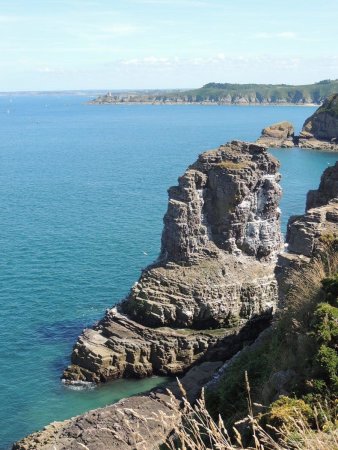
(195, 429)
(330, 106)
(230, 165)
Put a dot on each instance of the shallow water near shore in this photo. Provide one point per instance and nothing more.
(83, 193)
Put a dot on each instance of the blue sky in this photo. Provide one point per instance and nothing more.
(122, 44)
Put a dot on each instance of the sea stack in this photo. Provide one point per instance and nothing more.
(214, 275)
(111, 427)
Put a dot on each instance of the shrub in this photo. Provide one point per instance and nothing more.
(285, 411)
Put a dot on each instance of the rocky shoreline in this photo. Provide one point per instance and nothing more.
(319, 132)
(138, 422)
(205, 103)
(214, 274)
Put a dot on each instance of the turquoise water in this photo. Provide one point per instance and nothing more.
(83, 192)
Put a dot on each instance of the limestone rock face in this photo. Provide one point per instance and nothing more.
(215, 271)
(277, 135)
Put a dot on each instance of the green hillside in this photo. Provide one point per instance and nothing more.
(227, 93)
(264, 93)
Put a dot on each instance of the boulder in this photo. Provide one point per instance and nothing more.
(277, 135)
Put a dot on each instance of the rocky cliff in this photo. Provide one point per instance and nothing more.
(145, 421)
(320, 131)
(286, 360)
(307, 234)
(323, 124)
(215, 272)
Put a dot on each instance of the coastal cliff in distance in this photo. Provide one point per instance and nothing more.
(214, 276)
(227, 94)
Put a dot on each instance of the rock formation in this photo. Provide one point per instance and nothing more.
(114, 426)
(309, 236)
(277, 135)
(306, 234)
(323, 124)
(128, 424)
(214, 274)
(320, 131)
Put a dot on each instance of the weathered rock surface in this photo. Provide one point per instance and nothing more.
(135, 422)
(305, 233)
(327, 190)
(119, 347)
(323, 124)
(216, 270)
(132, 423)
(320, 131)
(278, 135)
(307, 238)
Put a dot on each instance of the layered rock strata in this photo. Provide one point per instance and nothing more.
(278, 135)
(307, 234)
(215, 271)
(132, 423)
(151, 415)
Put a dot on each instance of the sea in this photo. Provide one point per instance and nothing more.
(83, 191)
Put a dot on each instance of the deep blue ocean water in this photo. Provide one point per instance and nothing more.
(83, 193)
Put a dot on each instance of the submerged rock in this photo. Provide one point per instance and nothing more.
(215, 271)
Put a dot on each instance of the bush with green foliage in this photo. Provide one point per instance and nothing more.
(304, 340)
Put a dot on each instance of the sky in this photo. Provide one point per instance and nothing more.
(154, 44)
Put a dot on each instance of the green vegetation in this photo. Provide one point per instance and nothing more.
(227, 93)
(259, 93)
(231, 165)
(330, 106)
(296, 361)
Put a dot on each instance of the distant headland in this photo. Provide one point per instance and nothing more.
(229, 94)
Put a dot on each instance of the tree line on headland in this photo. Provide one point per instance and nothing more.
(227, 93)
